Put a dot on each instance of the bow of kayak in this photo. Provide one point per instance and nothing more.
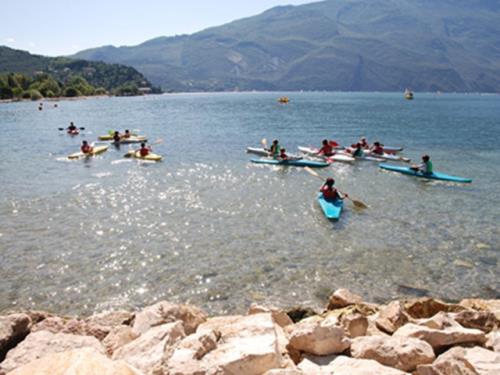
(332, 209)
(337, 156)
(95, 151)
(433, 176)
(294, 163)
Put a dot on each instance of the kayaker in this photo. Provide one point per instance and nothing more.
(358, 151)
(377, 148)
(117, 137)
(283, 155)
(274, 151)
(425, 167)
(327, 149)
(330, 192)
(71, 127)
(127, 134)
(144, 151)
(86, 148)
(364, 143)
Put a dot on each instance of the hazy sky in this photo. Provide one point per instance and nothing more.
(62, 27)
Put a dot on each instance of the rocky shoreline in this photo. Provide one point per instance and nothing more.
(421, 336)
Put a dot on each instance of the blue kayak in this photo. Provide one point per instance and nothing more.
(295, 163)
(331, 208)
(432, 176)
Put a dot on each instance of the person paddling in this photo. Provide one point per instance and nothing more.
(330, 192)
(326, 149)
(425, 167)
(144, 151)
(117, 137)
(364, 143)
(283, 155)
(274, 151)
(377, 148)
(86, 148)
(358, 151)
(71, 128)
(127, 134)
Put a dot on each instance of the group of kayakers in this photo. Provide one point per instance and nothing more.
(118, 137)
(359, 149)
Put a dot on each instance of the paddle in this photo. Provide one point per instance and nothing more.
(357, 203)
(131, 152)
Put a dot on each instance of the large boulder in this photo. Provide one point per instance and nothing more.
(166, 312)
(146, 352)
(13, 328)
(38, 344)
(342, 298)
(247, 345)
(392, 317)
(85, 361)
(402, 353)
(319, 336)
(72, 326)
(467, 361)
(422, 308)
(280, 317)
(439, 339)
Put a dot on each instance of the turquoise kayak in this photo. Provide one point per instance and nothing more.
(331, 209)
(294, 163)
(432, 176)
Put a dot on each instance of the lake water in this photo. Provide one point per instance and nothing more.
(206, 226)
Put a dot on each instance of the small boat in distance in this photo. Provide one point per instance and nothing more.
(408, 94)
(284, 99)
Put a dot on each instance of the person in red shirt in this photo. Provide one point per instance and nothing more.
(327, 149)
(86, 148)
(364, 143)
(377, 148)
(283, 155)
(330, 192)
(144, 151)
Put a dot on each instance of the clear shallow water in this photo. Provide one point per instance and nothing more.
(206, 226)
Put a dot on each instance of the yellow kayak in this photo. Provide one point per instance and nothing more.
(109, 137)
(137, 155)
(95, 151)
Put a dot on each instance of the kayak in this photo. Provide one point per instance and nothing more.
(387, 156)
(392, 150)
(95, 151)
(342, 157)
(432, 176)
(331, 208)
(364, 157)
(137, 155)
(133, 139)
(109, 137)
(264, 152)
(73, 132)
(294, 163)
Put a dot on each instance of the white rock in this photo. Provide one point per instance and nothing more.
(392, 317)
(403, 353)
(280, 317)
(343, 365)
(493, 342)
(165, 312)
(38, 344)
(86, 361)
(342, 298)
(442, 338)
(146, 352)
(318, 337)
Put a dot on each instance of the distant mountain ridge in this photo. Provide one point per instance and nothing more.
(352, 45)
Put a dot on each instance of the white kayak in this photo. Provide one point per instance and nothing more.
(338, 156)
(264, 152)
(368, 155)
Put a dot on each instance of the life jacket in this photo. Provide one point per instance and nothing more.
(144, 151)
(326, 150)
(358, 152)
(275, 150)
(379, 150)
(86, 149)
(330, 194)
(429, 168)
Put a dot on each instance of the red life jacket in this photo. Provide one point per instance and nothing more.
(326, 150)
(86, 149)
(329, 194)
(144, 151)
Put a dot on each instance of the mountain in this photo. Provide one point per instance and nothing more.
(63, 69)
(358, 45)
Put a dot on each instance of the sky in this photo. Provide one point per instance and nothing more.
(63, 27)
